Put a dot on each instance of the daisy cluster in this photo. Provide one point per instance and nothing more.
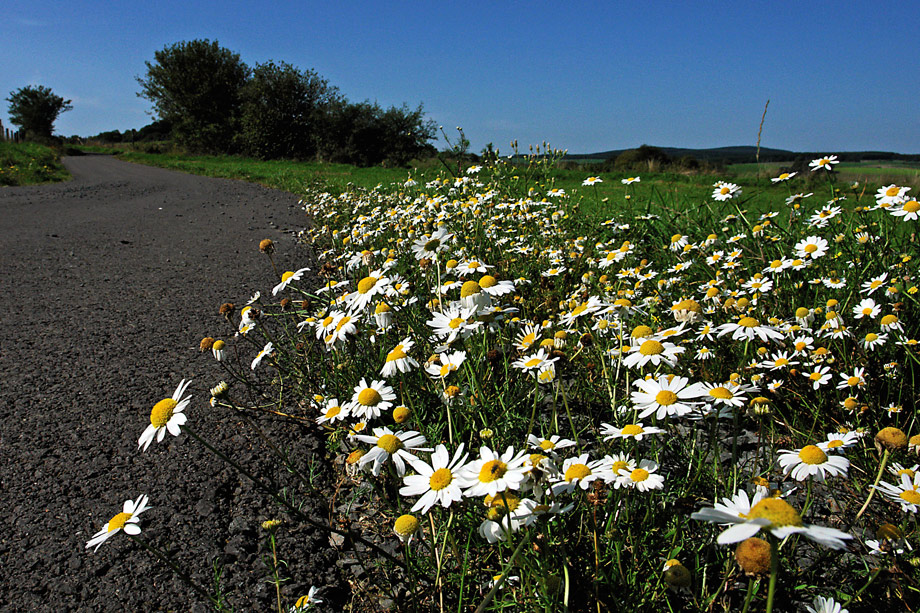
(514, 368)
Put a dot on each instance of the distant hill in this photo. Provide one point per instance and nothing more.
(744, 154)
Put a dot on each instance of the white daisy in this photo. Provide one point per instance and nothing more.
(127, 520)
(436, 482)
(811, 461)
(166, 415)
(493, 473)
(286, 279)
(370, 400)
(665, 396)
(388, 445)
(258, 359)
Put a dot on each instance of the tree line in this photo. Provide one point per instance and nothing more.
(212, 102)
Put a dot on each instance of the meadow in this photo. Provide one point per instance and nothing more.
(30, 164)
(552, 391)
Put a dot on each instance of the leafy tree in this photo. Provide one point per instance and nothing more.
(282, 110)
(197, 87)
(35, 109)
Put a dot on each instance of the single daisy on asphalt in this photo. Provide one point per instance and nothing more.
(287, 278)
(307, 601)
(258, 359)
(166, 415)
(127, 520)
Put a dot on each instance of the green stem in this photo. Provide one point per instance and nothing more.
(878, 477)
(176, 570)
(774, 570)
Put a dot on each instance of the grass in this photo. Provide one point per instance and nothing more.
(30, 164)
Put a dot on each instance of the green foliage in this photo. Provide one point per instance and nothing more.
(283, 109)
(197, 86)
(30, 164)
(35, 109)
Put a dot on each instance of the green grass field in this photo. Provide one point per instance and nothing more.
(30, 164)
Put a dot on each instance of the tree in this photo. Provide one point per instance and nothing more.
(197, 87)
(35, 109)
(282, 110)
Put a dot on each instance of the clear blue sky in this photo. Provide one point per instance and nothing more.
(586, 77)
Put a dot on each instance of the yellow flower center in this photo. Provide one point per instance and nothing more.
(676, 238)
(532, 362)
(651, 347)
(810, 248)
(369, 397)
(871, 337)
(487, 281)
(162, 412)
(328, 321)
(777, 511)
(470, 288)
(812, 454)
(455, 323)
(665, 398)
(287, 276)
(721, 392)
(911, 496)
(834, 443)
(546, 445)
(619, 465)
(638, 475)
(432, 244)
(577, 471)
(366, 284)
(853, 381)
(724, 190)
(911, 206)
(492, 470)
(641, 332)
(218, 345)
(333, 411)
(446, 369)
(906, 471)
(119, 521)
(396, 354)
(815, 376)
(381, 308)
(748, 322)
(405, 525)
(888, 320)
(632, 430)
(389, 443)
(892, 191)
(440, 479)
(342, 322)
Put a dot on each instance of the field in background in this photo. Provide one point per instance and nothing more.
(29, 164)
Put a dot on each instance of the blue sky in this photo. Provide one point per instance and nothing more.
(587, 77)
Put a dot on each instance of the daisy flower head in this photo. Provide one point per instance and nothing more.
(837, 441)
(783, 177)
(906, 492)
(388, 445)
(633, 431)
(166, 415)
(398, 359)
(581, 472)
(774, 515)
(725, 394)
(630, 180)
(535, 363)
(550, 445)
(370, 400)
(287, 278)
(812, 247)
(445, 364)
(819, 375)
(908, 211)
(493, 473)
(873, 284)
(891, 194)
(591, 181)
(369, 289)
(811, 461)
(725, 191)
(825, 605)
(866, 308)
(873, 341)
(430, 246)
(746, 328)
(436, 481)
(668, 395)
(127, 520)
(642, 478)
(857, 379)
(654, 351)
(259, 356)
(332, 412)
(307, 601)
(827, 162)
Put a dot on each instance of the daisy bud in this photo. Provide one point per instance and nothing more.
(676, 574)
(486, 434)
(890, 438)
(401, 414)
(270, 525)
(267, 246)
(220, 389)
(405, 527)
(753, 556)
(206, 343)
(226, 309)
